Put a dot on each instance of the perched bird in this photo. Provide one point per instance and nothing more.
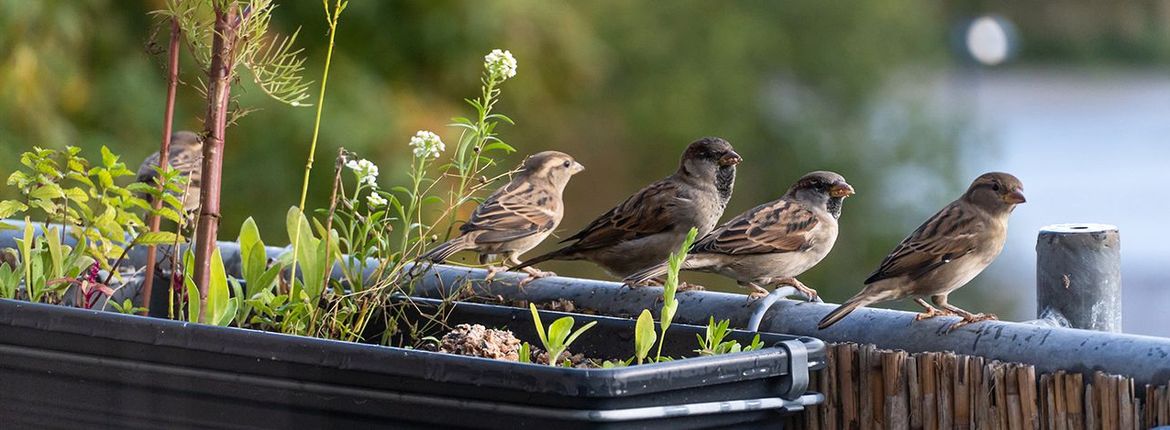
(643, 230)
(186, 156)
(516, 217)
(945, 252)
(772, 243)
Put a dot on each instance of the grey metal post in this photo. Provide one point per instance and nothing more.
(1078, 275)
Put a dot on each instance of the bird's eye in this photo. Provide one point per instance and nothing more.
(567, 164)
(995, 187)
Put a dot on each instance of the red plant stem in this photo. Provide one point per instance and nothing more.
(214, 125)
(163, 156)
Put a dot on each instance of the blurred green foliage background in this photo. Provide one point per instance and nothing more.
(623, 86)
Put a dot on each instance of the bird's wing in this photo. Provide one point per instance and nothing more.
(950, 234)
(513, 212)
(647, 212)
(776, 227)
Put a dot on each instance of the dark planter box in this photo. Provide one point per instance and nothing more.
(67, 367)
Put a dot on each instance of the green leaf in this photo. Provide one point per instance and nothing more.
(143, 188)
(172, 201)
(192, 299)
(19, 179)
(155, 238)
(539, 325)
(501, 117)
(76, 255)
(76, 165)
(559, 330)
(11, 207)
(578, 333)
(139, 203)
(27, 257)
(108, 158)
(76, 194)
(80, 177)
(251, 250)
(120, 170)
(170, 214)
(47, 191)
(644, 335)
(217, 290)
(525, 353)
(105, 179)
(110, 227)
(498, 145)
(311, 254)
(228, 314)
(7, 226)
(266, 282)
(667, 315)
(56, 253)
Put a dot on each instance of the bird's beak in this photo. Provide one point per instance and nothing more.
(577, 167)
(1015, 197)
(730, 159)
(841, 189)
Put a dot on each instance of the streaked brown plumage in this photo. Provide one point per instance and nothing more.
(643, 230)
(946, 252)
(516, 217)
(774, 242)
(186, 156)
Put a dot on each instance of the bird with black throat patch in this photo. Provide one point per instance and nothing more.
(516, 217)
(642, 231)
(772, 243)
(944, 253)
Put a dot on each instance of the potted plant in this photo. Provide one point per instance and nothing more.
(326, 332)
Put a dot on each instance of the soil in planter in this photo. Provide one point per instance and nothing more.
(478, 341)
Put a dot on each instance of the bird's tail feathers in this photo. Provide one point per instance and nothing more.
(445, 250)
(842, 311)
(646, 274)
(553, 255)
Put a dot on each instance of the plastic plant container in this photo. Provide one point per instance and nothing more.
(70, 368)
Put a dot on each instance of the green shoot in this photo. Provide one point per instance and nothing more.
(559, 336)
(644, 336)
(126, 307)
(525, 353)
(713, 343)
(669, 302)
(612, 364)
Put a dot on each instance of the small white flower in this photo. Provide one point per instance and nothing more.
(366, 170)
(500, 64)
(427, 144)
(374, 200)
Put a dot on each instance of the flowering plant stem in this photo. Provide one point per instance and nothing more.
(414, 209)
(332, 19)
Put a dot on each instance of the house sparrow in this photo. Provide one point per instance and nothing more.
(774, 242)
(186, 156)
(516, 217)
(945, 252)
(643, 230)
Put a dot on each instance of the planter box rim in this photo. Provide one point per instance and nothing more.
(374, 359)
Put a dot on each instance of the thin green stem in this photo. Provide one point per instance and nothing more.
(408, 218)
(333, 20)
